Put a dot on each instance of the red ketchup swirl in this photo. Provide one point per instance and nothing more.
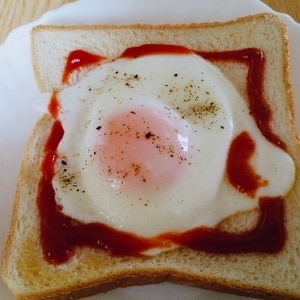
(61, 234)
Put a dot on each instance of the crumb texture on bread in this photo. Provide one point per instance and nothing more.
(90, 271)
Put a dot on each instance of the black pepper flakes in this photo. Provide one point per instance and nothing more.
(148, 135)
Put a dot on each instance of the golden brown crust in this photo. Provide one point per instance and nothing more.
(239, 20)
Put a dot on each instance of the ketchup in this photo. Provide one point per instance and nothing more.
(61, 234)
(240, 173)
(54, 106)
(267, 236)
(78, 59)
(150, 49)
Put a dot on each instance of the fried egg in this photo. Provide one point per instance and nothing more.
(146, 143)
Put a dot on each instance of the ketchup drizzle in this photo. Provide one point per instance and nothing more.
(267, 236)
(239, 170)
(78, 59)
(54, 105)
(150, 49)
(60, 234)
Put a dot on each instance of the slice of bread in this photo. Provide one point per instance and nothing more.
(90, 271)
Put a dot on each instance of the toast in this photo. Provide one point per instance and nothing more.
(91, 271)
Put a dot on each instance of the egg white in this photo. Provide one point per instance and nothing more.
(209, 113)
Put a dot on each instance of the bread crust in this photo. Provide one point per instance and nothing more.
(241, 274)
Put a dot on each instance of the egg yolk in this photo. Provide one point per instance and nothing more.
(142, 149)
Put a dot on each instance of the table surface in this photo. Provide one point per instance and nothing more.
(14, 13)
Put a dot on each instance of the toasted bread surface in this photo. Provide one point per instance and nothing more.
(273, 276)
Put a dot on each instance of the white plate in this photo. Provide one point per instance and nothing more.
(19, 96)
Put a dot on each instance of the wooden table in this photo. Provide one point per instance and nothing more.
(14, 13)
